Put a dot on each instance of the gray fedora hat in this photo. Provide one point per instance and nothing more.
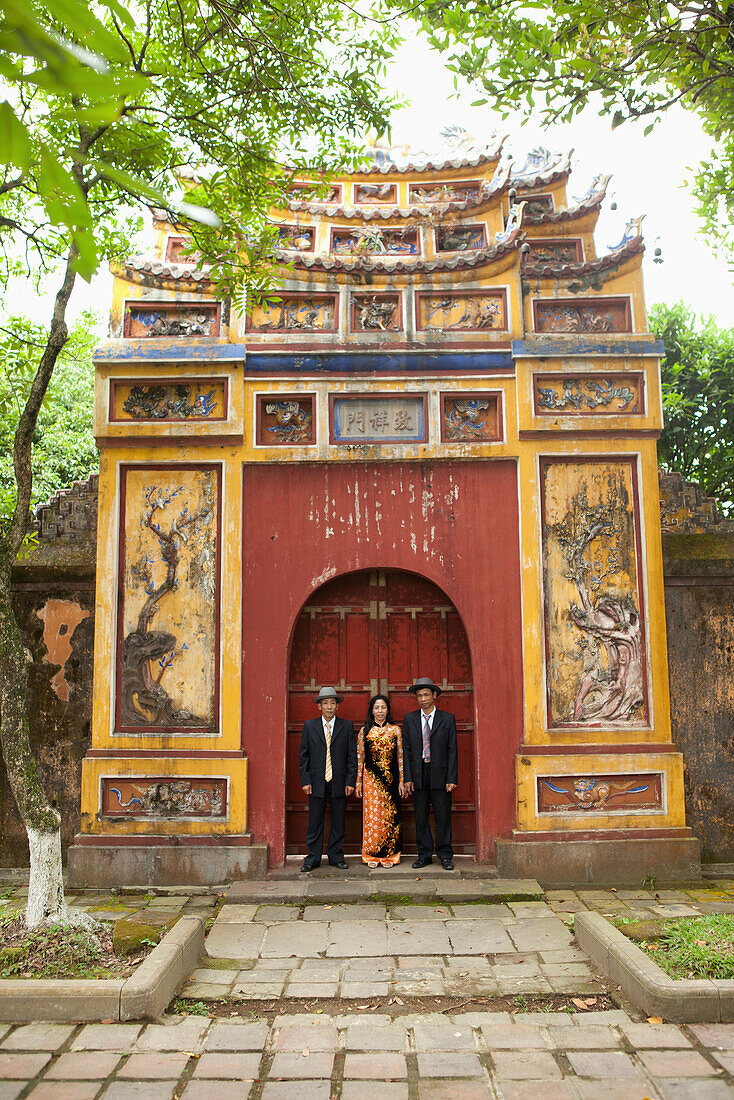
(425, 682)
(328, 693)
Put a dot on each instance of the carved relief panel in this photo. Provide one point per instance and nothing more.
(471, 418)
(585, 394)
(179, 251)
(311, 192)
(371, 240)
(596, 660)
(456, 191)
(168, 603)
(559, 250)
(376, 313)
(164, 400)
(607, 794)
(367, 193)
(145, 319)
(295, 313)
(285, 420)
(470, 311)
(460, 238)
(165, 797)
(295, 238)
(582, 315)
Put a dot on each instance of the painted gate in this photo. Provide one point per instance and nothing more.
(377, 631)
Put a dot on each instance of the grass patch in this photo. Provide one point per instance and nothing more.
(61, 951)
(691, 947)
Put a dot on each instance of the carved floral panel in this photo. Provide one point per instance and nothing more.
(165, 797)
(150, 319)
(367, 193)
(371, 240)
(460, 238)
(595, 639)
(585, 394)
(168, 606)
(454, 311)
(471, 418)
(295, 313)
(582, 315)
(376, 313)
(584, 794)
(184, 399)
(285, 419)
(562, 250)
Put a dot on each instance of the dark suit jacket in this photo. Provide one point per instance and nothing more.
(312, 756)
(444, 751)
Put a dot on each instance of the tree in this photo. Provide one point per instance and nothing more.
(209, 91)
(64, 448)
(698, 400)
(630, 58)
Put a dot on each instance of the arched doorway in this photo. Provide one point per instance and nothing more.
(373, 631)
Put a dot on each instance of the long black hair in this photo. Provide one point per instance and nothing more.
(369, 721)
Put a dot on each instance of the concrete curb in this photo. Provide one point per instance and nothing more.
(676, 999)
(143, 995)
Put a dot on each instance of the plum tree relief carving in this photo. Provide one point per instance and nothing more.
(148, 654)
(611, 685)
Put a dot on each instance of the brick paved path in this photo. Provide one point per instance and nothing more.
(305, 1056)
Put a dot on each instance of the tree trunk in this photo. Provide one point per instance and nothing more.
(41, 820)
(45, 889)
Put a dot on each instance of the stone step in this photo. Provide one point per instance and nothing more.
(418, 887)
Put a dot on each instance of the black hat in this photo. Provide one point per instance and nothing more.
(425, 682)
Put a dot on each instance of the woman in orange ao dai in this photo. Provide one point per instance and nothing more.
(380, 784)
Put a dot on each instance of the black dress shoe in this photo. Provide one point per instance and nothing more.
(308, 865)
(342, 865)
(422, 863)
(447, 865)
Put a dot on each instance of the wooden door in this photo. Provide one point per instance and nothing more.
(379, 631)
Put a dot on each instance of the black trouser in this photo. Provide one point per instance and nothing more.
(315, 832)
(440, 798)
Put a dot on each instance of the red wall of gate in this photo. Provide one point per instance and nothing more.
(455, 523)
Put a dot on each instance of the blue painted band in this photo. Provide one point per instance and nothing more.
(544, 347)
(321, 362)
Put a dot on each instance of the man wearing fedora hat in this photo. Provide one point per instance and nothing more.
(327, 760)
(431, 766)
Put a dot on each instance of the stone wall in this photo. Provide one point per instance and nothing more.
(54, 603)
(54, 594)
(699, 609)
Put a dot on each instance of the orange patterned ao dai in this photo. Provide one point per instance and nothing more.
(380, 771)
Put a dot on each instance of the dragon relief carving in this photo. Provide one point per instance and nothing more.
(611, 687)
(144, 700)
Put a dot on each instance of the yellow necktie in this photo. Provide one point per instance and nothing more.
(327, 730)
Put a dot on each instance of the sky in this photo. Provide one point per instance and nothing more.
(648, 177)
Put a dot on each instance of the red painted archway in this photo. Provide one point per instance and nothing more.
(453, 524)
(373, 631)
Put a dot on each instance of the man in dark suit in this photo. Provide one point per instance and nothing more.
(327, 760)
(431, 766)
